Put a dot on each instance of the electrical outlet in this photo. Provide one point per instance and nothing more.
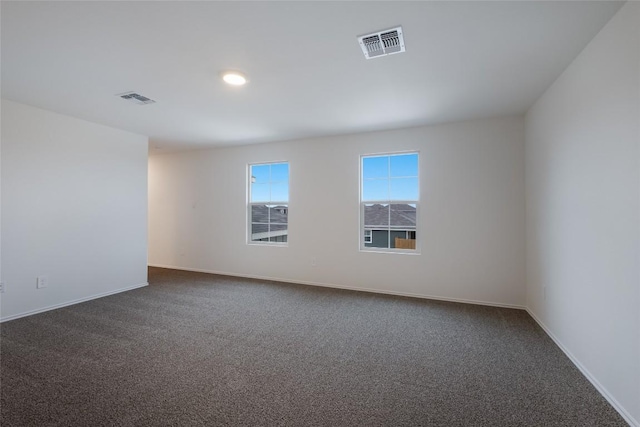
(42, 282)
(1, 287)
(314, 262)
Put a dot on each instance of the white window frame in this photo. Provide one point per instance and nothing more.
(369, 236)
(364, 248)
(270, 202)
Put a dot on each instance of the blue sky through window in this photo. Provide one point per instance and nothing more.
(393, 177)
(270, 183)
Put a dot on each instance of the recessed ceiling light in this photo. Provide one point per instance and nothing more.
(234, 78)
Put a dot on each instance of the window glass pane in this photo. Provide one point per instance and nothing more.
(259, 232)
(269, 202)
(278, 233)
(376, 215)
(260, 193)
(379, 239)
(280, 172)
(404, 165)
(404, 189)
(259, 214)
(375, 189)
(399, 240)
(402, 226)
(280, 192)
(278, 229)
(375, 167)
(279, 214)
(260, 173)
(403, 216)
(386, 182)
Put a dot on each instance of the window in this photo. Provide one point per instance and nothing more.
(268, 207)
(389, 199)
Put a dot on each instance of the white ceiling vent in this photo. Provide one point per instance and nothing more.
(382, 43)
(136, 98)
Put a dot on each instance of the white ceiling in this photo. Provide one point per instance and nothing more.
(308, 76)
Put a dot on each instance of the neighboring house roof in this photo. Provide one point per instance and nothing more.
(376, 215)
(402, 216)
(260, 221)
(261, 213)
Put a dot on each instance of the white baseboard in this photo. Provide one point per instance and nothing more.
(68, 303)
(350, 288)
(603, 391)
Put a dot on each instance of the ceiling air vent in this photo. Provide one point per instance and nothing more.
(136, 98)
(382, 43)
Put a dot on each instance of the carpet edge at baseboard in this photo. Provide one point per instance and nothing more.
(601, 389)
(72, 302)
(349, 288)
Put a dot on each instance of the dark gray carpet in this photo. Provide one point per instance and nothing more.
(199, 349)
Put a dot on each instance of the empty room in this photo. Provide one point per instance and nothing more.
(320, 213)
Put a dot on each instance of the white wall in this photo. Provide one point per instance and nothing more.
(471, 223)
(74, 208)
(583, 212)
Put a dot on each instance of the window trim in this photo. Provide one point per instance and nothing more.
(361, 244)
(248, 221)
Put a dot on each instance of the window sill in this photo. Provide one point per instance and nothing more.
(271, 244)
(390, 251)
